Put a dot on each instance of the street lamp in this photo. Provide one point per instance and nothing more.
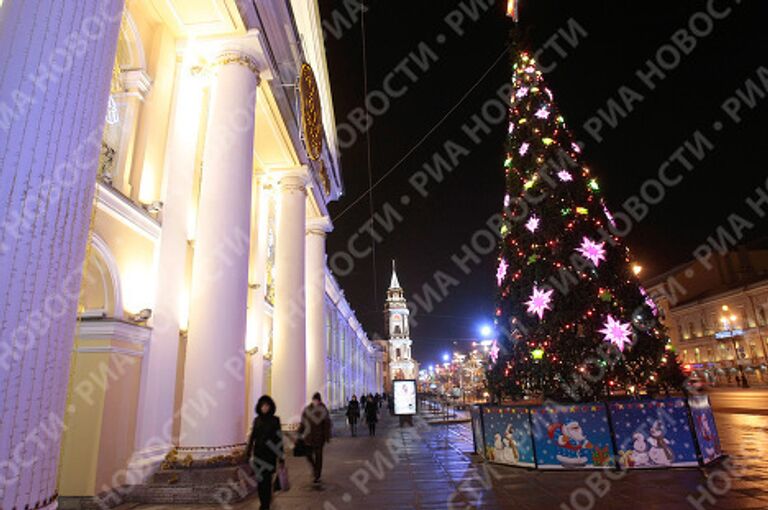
(485, 330)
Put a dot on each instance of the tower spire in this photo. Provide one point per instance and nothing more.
(394, 283)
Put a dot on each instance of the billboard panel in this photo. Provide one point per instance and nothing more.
(405, 397)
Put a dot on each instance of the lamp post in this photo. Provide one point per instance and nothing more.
(728, 322)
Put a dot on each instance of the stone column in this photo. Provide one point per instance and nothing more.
(54, 95)
(215, 365)
(289, 376)
(158, 387)
(317, 352)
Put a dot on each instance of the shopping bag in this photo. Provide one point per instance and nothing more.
(300, 448)
(281, 480)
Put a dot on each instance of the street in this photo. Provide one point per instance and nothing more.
(431, 467)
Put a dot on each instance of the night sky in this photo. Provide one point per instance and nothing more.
(467, 70)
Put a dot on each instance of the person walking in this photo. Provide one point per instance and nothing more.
(265, 448)
(315, 429)
(371, 415)
(353, 414)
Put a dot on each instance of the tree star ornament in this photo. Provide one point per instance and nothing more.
(533, 223)
(494, 351)
(592, 251)
(539, 301)
(617, 332)
(501, 272)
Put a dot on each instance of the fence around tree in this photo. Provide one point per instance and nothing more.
(628, 433)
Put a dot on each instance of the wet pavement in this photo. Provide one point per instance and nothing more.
(432, 467)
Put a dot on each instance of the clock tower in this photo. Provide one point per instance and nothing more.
(401, 364)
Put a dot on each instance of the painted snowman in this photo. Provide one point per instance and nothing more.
(639, 450)
(660, 453)
(498, 448)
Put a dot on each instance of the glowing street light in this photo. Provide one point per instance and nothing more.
(446, 357)
(485, 330)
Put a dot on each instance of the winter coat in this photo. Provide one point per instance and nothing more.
(315, 426)
(266, 440)
(371, 412)
(353, 409)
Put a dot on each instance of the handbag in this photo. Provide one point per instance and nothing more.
(300, 448)
(281, 480)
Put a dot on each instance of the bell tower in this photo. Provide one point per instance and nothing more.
(402, 365)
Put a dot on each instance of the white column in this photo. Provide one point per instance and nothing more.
(158, 386)
(50, 134)
(289, 376)
(215, 364)
(317, 352)
(257, 342)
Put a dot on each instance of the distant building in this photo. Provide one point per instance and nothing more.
(401, 363)
(716, 311)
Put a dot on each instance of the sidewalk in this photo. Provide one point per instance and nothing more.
(430, 467)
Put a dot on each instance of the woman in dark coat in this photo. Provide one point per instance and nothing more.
(353, 414)
(371, 415)
(265, 448)
(315, 430)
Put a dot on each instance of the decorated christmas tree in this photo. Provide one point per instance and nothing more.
(574, 321)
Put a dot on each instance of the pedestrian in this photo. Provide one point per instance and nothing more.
(353, 414)
(363, 399)
(371, 415)
(315, 429)
(265, 448)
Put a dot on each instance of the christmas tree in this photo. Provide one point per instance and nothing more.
(576, 323)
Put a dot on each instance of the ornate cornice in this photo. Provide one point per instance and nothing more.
(117, 205)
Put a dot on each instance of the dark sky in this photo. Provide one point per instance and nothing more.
(621, 36)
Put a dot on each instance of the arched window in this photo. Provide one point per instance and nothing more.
(130, 84)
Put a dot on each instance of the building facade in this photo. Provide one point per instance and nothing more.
(401, 362)
(166, 171)
(716, 313)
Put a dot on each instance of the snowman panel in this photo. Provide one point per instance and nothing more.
(653, 433)
(507, 433)
(477, 430)
(572, 436)
(704, 425)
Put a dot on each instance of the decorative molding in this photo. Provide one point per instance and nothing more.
(136, 82)
(115, 330)
(110, 349)
(230, 57)
(319, 226)
(121, 208)
(292, 179)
